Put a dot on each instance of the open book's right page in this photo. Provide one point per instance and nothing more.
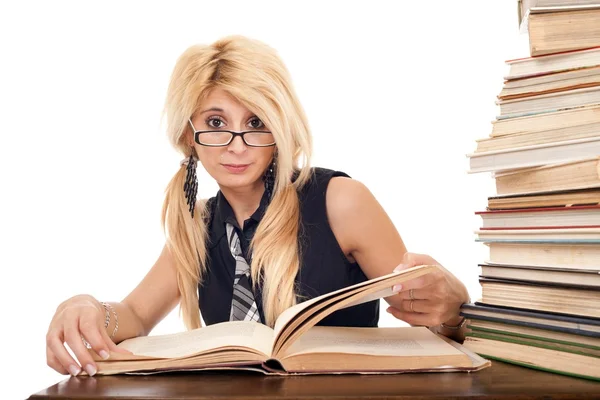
(296, 320)
(339, 349)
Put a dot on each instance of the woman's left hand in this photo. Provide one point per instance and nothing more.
(431, 299)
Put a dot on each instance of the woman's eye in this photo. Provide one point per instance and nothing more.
(214, 122)
(256, 123)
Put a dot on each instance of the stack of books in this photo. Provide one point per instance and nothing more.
(540, 304)
(555, 26)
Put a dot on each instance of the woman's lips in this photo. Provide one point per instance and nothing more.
(236, 168)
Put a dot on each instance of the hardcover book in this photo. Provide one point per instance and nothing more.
(296, 345)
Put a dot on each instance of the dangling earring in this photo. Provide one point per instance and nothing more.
(269, 178)
(190, 187)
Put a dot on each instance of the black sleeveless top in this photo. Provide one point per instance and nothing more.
(324, 267)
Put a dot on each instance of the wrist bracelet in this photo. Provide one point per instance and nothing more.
(457, 327)
(106, 316)
(108, 307)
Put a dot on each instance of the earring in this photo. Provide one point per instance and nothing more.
(269, 178)
(190, 187)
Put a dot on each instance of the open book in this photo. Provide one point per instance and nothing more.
(296, 345)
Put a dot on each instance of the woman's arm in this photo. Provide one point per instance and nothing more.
(155, 296)
(84, 317)
(366, 233)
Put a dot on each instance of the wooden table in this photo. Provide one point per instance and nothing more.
(500, 381)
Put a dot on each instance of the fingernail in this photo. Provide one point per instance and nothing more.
(74, 370)
(397, 288)
(389, 309)
(399, 268)
(90, 369)
(104, 354)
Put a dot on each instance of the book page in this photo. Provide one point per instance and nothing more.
(382, 294)
(286, 317)
(227, 334)
(302, 317)
(400, 342)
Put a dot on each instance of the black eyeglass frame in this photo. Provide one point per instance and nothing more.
(233, 136)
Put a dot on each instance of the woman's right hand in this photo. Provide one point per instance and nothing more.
(79, 317)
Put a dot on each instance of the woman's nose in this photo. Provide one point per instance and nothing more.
(237, 145)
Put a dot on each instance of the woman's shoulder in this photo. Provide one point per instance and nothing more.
(326, 188)
(336, 192)
(327, 173)
(320, 177)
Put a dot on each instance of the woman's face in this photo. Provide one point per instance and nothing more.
(235, 166)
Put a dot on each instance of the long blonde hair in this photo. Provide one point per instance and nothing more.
(253, 73)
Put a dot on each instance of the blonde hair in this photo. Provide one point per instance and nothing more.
(253, 73)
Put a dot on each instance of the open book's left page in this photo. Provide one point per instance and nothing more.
(238, 334)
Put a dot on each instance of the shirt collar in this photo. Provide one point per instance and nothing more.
(223, 213)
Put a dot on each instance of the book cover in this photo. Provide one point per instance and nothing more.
(558, 322)
(543, 359)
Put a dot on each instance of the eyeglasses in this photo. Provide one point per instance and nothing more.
(222, 137)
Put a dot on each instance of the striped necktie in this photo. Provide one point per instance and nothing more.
(243, 305)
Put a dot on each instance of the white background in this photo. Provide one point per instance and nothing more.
(396, 94)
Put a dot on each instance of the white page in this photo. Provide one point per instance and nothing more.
(234, 333)
(402, 341)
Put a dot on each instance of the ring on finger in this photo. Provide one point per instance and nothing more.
(411, 294)
(412, 305)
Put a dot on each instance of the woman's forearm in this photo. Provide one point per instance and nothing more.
(129, 324)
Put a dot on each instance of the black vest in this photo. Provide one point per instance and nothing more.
(324, 267)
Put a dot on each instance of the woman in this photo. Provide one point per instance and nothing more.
(277, 232)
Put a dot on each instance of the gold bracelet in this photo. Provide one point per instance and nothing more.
(107, 307)
(455, 328)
